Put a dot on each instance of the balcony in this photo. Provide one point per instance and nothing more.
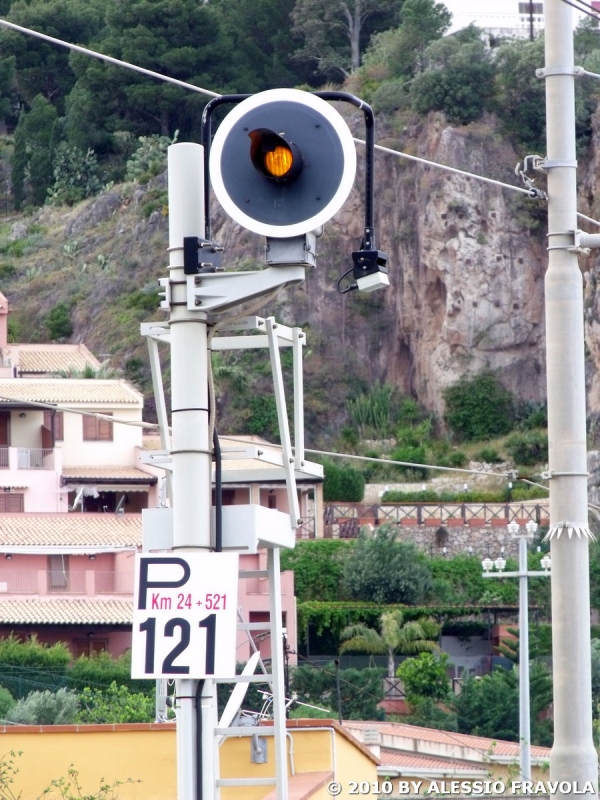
(26, 458)
(35, 582)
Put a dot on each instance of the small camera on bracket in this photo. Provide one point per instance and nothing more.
(370, 270)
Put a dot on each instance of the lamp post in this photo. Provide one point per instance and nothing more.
(523, 574)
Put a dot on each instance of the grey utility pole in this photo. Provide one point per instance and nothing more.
(523, 575)
(573, 756)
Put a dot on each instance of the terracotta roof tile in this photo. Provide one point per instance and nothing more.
(494, 747)
(71, 530)
(68, 390)
(397, 758)
(66, 612)
(48, 361)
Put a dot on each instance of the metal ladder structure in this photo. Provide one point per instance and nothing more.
(251, 332)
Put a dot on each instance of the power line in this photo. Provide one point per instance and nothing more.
(109, 59)
(591, 13)
(391, 462)
(528, 192)
(70, 410)
(191, 87)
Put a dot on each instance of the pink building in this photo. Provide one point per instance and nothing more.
(73, 483)
(69, 578)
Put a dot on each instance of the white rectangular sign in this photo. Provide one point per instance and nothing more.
(185, 615)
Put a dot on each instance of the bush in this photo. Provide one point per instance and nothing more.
(150, 159)
(503, 495)
(412, 455)
(100, 670)
(114, 705)
(31, 666)
(45, 708)
(7, 701)
(479, 407)
(262, 420)
(489, 455)
(528, 448)
(342, 484)
(318, 568)
(76, 176)
(425, 675)
(382, 570)
(58, 322)
(455, 459)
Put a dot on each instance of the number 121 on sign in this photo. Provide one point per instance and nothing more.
(184, 616)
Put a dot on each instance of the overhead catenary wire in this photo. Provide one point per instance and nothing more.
(393, 463)
(82, 412)
(109, 59)
(191, 87)
(209, 93)
(583, 8)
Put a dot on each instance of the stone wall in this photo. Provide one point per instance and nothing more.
(450, 540)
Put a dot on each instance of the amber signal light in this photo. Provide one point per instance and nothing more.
(275, 158)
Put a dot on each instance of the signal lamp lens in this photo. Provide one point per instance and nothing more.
(279, 161)
(274, 157)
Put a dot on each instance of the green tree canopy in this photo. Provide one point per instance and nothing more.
(32, 157)
(399, 51)
(179, 38)
(334, 32)
(383, 570)
(261, 33)
(318, 566)
(458, 78)
(43, 68)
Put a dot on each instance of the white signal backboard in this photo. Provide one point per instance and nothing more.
(185, 615)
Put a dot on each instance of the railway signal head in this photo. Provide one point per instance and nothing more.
(282, 163)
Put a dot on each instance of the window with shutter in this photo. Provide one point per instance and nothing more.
(55, 421)
(4, 428)
(97, 430)
(58, 572)
(11, 503)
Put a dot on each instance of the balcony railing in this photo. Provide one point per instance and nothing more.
(35, 458)
(26, 458)
(81, 582)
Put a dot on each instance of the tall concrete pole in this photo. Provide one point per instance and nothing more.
(573, 756)
(524, 709)
(190, 448)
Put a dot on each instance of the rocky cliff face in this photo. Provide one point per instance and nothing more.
(466, 266)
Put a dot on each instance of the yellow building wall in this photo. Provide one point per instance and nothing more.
(141, 752)
(147, 753)
(323, 750)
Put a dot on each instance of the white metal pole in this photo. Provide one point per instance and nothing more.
(524, 711)
(573, 757)
(191, 452)
(277, 671)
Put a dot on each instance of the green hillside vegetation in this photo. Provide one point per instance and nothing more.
(85, 150)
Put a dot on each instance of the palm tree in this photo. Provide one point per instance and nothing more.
(396, 637)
